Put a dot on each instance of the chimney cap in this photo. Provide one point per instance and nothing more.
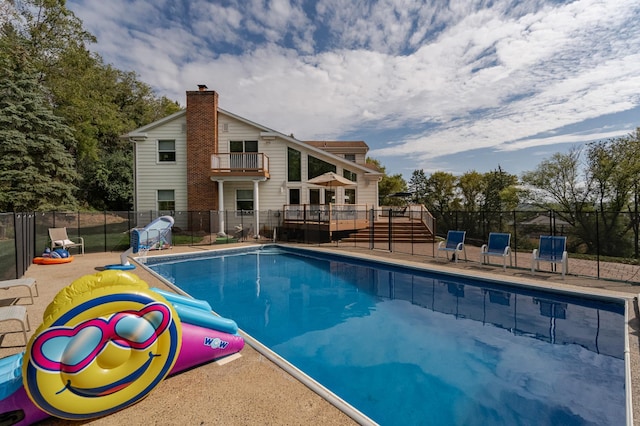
(202, 87)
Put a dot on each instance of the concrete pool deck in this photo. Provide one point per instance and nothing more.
(251, 390)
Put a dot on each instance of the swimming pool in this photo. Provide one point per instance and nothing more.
(410, 346)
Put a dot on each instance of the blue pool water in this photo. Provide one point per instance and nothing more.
(407, 346)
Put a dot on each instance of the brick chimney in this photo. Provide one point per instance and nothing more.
(202, 141)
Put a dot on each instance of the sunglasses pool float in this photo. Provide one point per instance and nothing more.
(106, 341)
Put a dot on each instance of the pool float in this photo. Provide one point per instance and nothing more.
(118, 266)
(52, 260)
(106, 341)
(53, 257)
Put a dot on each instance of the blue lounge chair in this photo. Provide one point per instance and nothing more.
(454, 243)
(553, 250)
(499, 244)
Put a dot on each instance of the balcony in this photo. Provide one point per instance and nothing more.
(240, 164)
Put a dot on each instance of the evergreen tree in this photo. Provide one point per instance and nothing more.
(418, 186)
(97, 101)
(36, 170)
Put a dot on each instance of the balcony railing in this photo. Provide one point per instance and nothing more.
(240, 164)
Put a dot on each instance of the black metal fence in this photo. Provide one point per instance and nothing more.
(601, 239)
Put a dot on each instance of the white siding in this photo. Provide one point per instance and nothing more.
(152, 175)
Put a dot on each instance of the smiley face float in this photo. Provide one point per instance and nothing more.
(101, 347)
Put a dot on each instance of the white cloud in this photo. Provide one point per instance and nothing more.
(456, 78)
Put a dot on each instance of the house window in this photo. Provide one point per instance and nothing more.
(349, 196)
(294, 196)
(167, 151)
(294, 167)
(166, 199)
(314, 196)
(244, 154)
(350, 157)
(244, 200)
(353, 177)
(318, 167)
(330, 196)
(243, 146)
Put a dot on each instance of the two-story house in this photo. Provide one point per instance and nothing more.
(206, 159)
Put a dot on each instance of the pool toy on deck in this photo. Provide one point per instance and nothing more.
(53, 257)
(154, 235)
(106, 341)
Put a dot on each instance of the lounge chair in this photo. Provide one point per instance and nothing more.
(499, 244)
(16, 313)
(553, 250)
(30, 283)
(60, 239)
(454, 243)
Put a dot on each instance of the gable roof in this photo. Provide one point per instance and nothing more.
(139, 134)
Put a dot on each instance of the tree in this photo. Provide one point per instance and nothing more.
(606, 186)
(437, 193)
(98, 102)
(101, 104)
(441, 192)
(388, 185)
(613, 166)
(109, 183)
(472, 188)
(418, 186)
(500, 191)
(49, 30)
(36, 170)
(556, 184)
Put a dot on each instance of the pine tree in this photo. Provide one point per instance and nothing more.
(37, 171)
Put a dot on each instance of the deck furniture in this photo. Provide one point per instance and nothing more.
(454, 244)
(16, 313)
(29, 283)
(499, 245)
(60, 239)
(552, 249)
(399, 211)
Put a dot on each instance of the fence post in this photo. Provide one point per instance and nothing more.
(515, 240)
(390, 232)
(105, 231)
(371, 228)
(597, 244)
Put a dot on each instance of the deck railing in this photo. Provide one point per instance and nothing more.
(336, 217)
(240, 163)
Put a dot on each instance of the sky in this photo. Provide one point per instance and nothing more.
(438, 85)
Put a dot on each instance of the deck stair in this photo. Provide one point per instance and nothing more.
(403, 230)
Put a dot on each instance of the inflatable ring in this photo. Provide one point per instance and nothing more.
(121, 267)
(107, 340)
(51, 260)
